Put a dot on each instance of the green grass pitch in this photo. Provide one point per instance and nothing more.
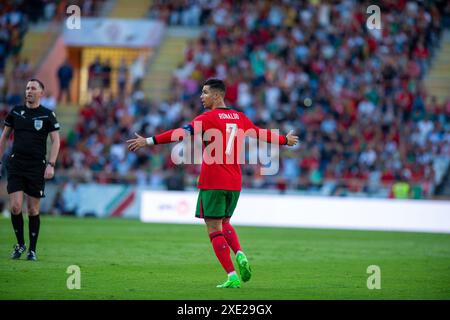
(125, 259)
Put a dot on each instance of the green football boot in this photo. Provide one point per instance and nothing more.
(232, 282)
(244, 267)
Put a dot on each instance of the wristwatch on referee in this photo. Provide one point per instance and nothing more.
(52, 164)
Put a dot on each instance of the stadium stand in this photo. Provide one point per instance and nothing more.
(356, 97)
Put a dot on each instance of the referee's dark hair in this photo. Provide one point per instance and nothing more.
(215, 84)
(40, 83)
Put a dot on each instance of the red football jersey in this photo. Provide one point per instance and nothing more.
(223, 131)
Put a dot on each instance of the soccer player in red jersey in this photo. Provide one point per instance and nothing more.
(220, 178)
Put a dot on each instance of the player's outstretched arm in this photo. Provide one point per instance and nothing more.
(170, 136)
(174, 135)
(267, 135)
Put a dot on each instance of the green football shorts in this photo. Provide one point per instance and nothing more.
(216, 203)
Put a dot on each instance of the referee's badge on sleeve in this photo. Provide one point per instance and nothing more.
(38, 124)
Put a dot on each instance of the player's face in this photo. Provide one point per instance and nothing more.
(33, 92)
(207, 97)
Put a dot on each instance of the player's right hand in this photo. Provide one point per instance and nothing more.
(291, 139)
(137, 143)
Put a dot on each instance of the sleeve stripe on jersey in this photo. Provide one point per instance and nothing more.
(189, 128)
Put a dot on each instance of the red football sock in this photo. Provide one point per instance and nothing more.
(222, 250)
(231, 236)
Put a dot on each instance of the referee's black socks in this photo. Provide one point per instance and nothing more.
(33, 226)
(17, 222)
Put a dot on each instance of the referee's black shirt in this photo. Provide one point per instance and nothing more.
(31, 128)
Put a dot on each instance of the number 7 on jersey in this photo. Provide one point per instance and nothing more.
(232, 128)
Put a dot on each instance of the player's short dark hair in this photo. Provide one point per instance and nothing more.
(39, 82)
(215, 84)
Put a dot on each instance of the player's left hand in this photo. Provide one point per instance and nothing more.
(49, 172)
(137, 143)
(292, 140)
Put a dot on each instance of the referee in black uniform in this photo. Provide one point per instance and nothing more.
(27, 166)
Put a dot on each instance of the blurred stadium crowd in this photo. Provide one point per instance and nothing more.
(16, 17)
(354, 96)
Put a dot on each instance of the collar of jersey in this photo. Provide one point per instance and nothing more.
(26, 108)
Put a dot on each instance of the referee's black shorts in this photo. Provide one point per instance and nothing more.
(27, 175)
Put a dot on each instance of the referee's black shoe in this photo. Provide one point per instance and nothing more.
(18, 250)
(31, 256)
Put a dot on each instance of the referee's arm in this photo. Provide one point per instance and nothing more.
(54, 136)
(4, 140)
(50, 170)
